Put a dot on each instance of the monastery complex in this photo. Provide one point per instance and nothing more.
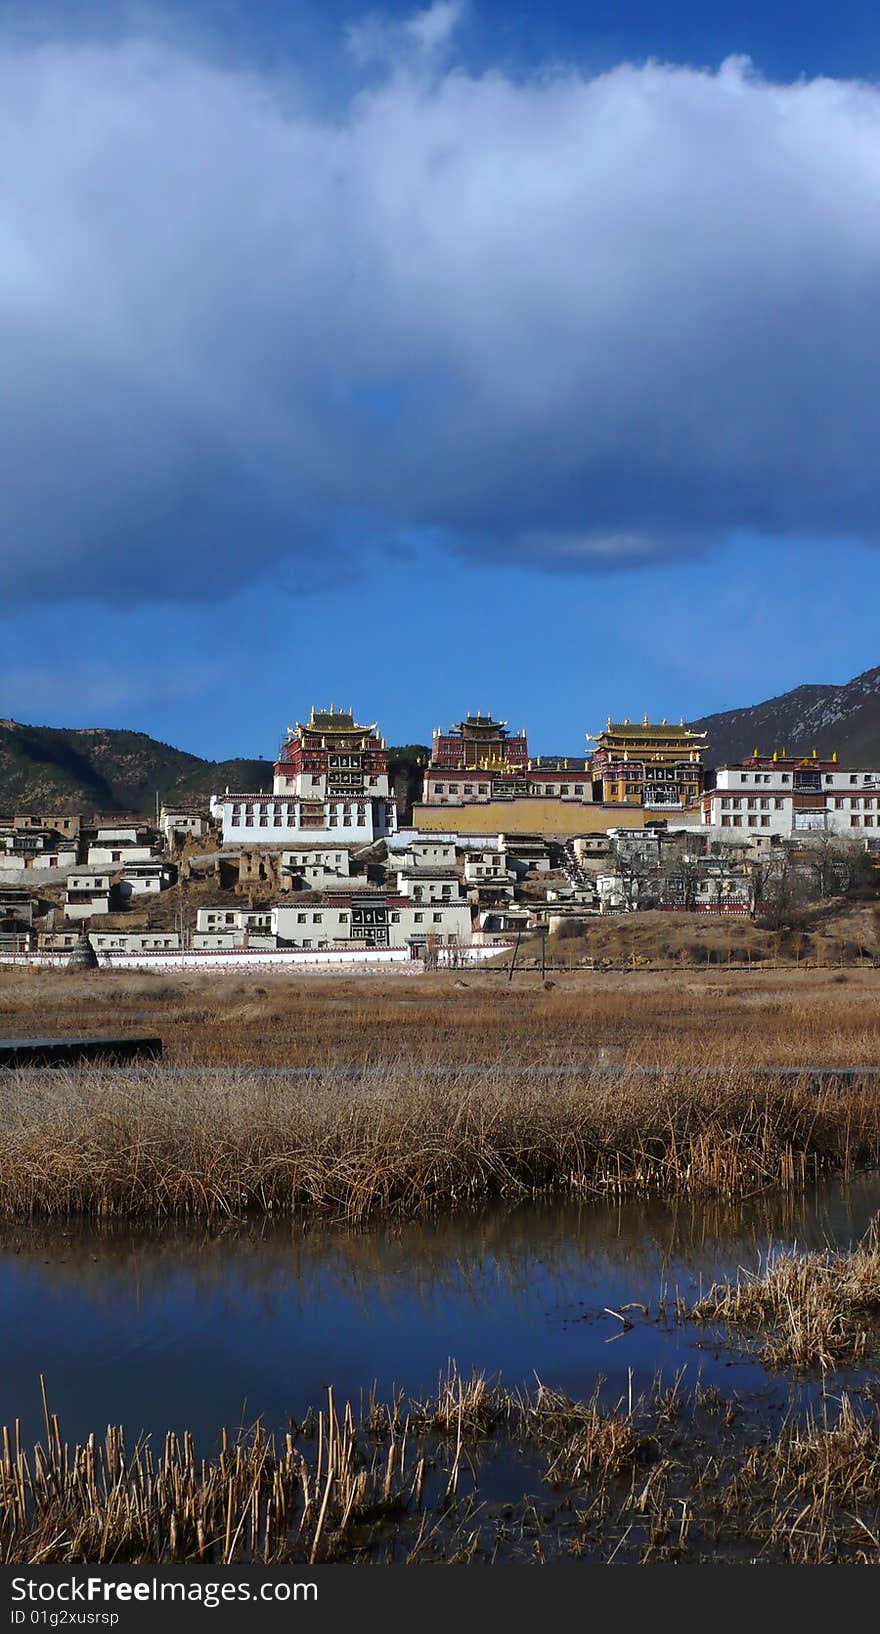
(499, 841)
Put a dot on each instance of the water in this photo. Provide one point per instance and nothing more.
(160, 1330)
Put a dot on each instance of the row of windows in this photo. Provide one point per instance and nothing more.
(534, 788)
(307, 945)
(318, 918)
(735, 802)
(806, 775)
(841, 802)
(753, 822)
(280, 820)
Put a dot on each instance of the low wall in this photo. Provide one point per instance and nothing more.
(246, 959)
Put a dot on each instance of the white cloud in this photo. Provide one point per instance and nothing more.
(379, 38)
(577, 320)
(433, 28)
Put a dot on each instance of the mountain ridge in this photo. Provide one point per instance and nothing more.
(828, 718)
(106, 769)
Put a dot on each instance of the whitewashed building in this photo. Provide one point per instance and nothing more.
(330, 785)
(488, 866)
(116, 853)
(146, 878)
(89, 892)
(314, 867)
(428, 884)
(230, 919)
(371, 919)
(435, 851)
(187, 825)
(783, 796)
(128, 941)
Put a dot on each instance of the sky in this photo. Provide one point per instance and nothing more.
(434, 358)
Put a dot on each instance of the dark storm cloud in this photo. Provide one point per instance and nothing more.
(583, 322)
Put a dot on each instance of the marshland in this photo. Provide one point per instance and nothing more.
(589, 1269)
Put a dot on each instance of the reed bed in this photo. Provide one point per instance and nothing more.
(396, 1142)
(816, 1310)
(668, 1476)
(334, 1487)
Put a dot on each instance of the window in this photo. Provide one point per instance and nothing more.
(343, 919)
(418, 918)
(484, 788)
(437, 918)
(765, 822)
(300, 918)
(438, 788)
(469, 788)
(317, 919)
(778, 804)
(395, 919)
(579, 788)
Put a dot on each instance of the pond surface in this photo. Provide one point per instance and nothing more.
(174, 1330)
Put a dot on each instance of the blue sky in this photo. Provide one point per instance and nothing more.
(431, 358)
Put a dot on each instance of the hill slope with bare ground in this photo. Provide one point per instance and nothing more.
(47, 768)
(826, 718)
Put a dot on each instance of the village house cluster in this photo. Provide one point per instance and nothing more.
(499, 842)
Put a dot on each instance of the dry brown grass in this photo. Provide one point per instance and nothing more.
(448, 1104)
(666, 1477)
(401, 1139)
(473, 1016)
(816, 1310)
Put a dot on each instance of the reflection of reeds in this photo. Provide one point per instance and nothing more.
(396, 1142)
(816, 1310)
(471, 1253)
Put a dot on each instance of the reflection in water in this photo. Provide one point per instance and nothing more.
(180, 1329)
